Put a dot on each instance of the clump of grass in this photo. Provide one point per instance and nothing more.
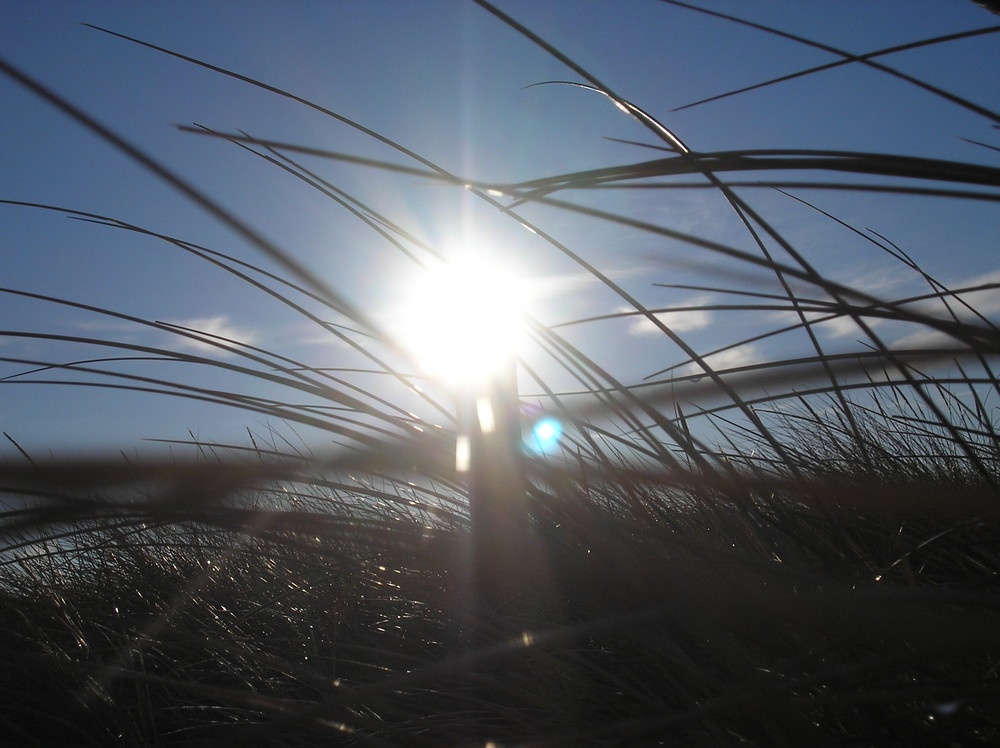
(753, 617)
(810, 562)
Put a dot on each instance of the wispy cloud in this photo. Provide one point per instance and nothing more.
(835, 327)
(985, 302)
(680, 321)
(728, 359)
(880, 281)
(218, 325)
(840, 327)
(548, 286)
(924, 339)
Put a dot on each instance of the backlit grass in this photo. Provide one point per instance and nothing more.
(791, 550)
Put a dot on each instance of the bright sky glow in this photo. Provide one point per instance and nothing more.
(462, 319)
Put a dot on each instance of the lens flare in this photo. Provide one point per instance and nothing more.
(545, 435)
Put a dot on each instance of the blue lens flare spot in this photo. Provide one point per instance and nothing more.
(545, 435)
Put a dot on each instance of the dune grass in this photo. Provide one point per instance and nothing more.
(795, 551)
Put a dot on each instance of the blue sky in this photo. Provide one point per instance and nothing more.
(450, 82)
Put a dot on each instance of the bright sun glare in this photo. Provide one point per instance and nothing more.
(462, 319)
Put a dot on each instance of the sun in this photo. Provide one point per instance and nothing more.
(462, 318)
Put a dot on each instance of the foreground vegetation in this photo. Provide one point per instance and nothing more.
(750, 616)
(812, 562)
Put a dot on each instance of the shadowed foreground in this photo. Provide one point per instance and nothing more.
(765, 614)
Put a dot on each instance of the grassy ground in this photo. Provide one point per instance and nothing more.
(771, 614)
(815, 565)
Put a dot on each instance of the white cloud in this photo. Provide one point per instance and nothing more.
(839, 327)
(728, 359)
(219, 326)
(986, 302)
(879, 281)
(680, 321)
(926, 339)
